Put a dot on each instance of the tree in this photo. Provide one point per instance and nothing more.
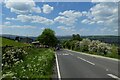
(17, 38)
(76, 37)
(48, 38)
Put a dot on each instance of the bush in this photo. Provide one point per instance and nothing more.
(93, 46)
(84, 44)
(103, 48)
(77, 46)
(37, 64)
(73, 44)
(11, 56)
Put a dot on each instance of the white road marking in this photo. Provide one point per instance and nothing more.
(70, 53)
(86, 61)
(106, 69)
(113, 76)
(58, 70)
(65, 54)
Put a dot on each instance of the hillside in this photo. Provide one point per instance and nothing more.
(11, 42)
(106, 38)
(14, 36)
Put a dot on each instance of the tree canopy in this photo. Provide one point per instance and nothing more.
(48, 38)
(76, 37)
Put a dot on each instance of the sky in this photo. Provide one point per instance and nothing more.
(30, 18)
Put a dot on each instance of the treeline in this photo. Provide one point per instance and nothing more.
(90, 46)
(107, 39)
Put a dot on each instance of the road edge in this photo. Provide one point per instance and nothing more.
(58, 69)
(93, 55)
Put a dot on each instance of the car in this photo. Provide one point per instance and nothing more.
(57, 48)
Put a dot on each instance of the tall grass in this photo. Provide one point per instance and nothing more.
(38, 63)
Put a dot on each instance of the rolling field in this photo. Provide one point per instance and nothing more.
(8, 42)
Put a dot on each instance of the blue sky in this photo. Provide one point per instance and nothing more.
(65, 18)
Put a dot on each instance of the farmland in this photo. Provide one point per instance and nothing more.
(8, 42)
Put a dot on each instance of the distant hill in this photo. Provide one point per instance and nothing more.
(108, 38)
(14, 36)
(64, 37)
(10, 42)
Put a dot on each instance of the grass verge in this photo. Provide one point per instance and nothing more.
(38, 63)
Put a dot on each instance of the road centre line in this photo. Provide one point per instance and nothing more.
(113, 76)
(86, 61)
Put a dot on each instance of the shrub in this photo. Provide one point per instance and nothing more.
(93, 46)
(84, 44)
(37, 64)
(77, 46)
(73, 44)
(103, 48)
(11, 55)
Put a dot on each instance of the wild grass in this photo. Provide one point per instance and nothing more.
(38, 63)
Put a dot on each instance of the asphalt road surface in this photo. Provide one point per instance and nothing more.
(76, 65)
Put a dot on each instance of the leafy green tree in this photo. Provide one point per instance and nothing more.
(76, 37)
(48, 38)
(17, 38)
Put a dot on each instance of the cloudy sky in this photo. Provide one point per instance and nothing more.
(65, 18)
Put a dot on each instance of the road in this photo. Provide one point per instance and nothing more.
(76, 65)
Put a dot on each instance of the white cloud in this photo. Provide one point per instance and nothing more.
(71, 13)
(24, 18)
(43, 28)
(84, 30)
(68, 17)
(18, 26)
(33, 19)
(68, 29)
(42, 20)
(116, 30)
(62, 27)
(100, 22)
(84, 13)
(85, 21)
(22, 6)
(47, 9)
(7, 23)
(10, 18)
(105, 0)
(36, 9)
(63, 20)
(103, 29)
(103, 13)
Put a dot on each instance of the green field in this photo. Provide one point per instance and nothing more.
(8, 42)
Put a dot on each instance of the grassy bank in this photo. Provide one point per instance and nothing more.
(38, 63)
(8, 42)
